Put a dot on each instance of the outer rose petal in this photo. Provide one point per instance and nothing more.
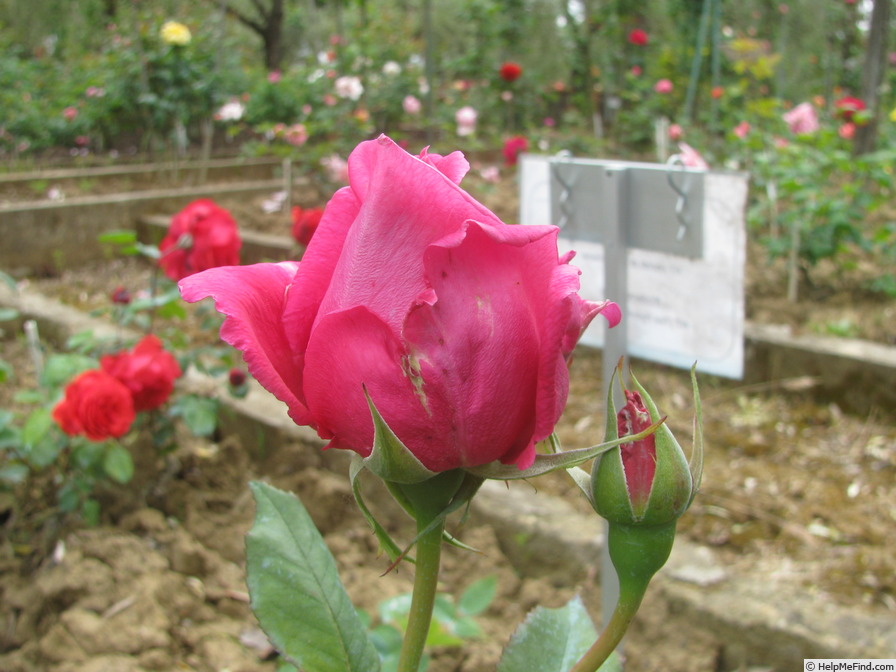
(253, 299)
(348, 352)
(404, 205)
(479, 342)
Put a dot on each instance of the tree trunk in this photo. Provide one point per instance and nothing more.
(873, 73)
(273, 37)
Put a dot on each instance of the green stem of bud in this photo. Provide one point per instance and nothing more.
(637, 552)
(426, 579)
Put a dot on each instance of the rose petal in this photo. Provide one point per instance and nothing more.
(253, 298)
(348, 352)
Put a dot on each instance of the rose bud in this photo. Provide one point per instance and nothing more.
(237, 377)
(120, 296)
(644, 486)
(238, 385)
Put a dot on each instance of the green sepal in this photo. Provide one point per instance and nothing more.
(390, 459)
(434, 501)
(546, 463)
(695, 463)
(386, 543)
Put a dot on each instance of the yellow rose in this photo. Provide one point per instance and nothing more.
(176, 33)
(893, 114)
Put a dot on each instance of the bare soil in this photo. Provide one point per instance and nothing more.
(159, 585)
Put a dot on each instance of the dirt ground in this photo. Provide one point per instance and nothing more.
(159, 586)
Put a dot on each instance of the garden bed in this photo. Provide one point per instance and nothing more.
(793, 520)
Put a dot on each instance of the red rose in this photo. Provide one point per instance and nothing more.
(201, 236)
(848, 106)
(510, 71)
(95, 405)
(304, 223)
(638, 37)
(147, 371)
(512, 149)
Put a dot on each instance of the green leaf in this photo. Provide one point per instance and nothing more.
(7, 314)
(8, 280)
(476, 598)
(40, 448)
(199, 413)
(296, 592)
(118, 237)
(86, 454)
(14, 473)
(117, 464)
(5, 370)
(60, 369)
(550, 640)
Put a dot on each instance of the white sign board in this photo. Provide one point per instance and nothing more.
(679, 310)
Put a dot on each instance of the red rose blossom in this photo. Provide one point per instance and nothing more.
(304, 223)
(512, 149)
(201, 236)
(95, 405)
(510, 71)
(147, 371)
(848, 106)
(638, 37)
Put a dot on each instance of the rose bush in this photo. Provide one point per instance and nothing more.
(95, 405)
(201, 236)
(456, 325)
(148, 372)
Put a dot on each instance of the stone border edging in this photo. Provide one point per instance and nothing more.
(757, 616)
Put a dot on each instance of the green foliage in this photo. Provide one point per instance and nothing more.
(552, 640)
(296, 592)
(452, 622)
(816, 191)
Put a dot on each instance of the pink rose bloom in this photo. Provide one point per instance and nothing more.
(847, 131)
(456, 325)
(675, 131)
(411, 105)
(742, 129)
(70, 113)
(465, 118)
(274, 76)
(663, 86)
(336, 167)
(691, 158)
(802, 119)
